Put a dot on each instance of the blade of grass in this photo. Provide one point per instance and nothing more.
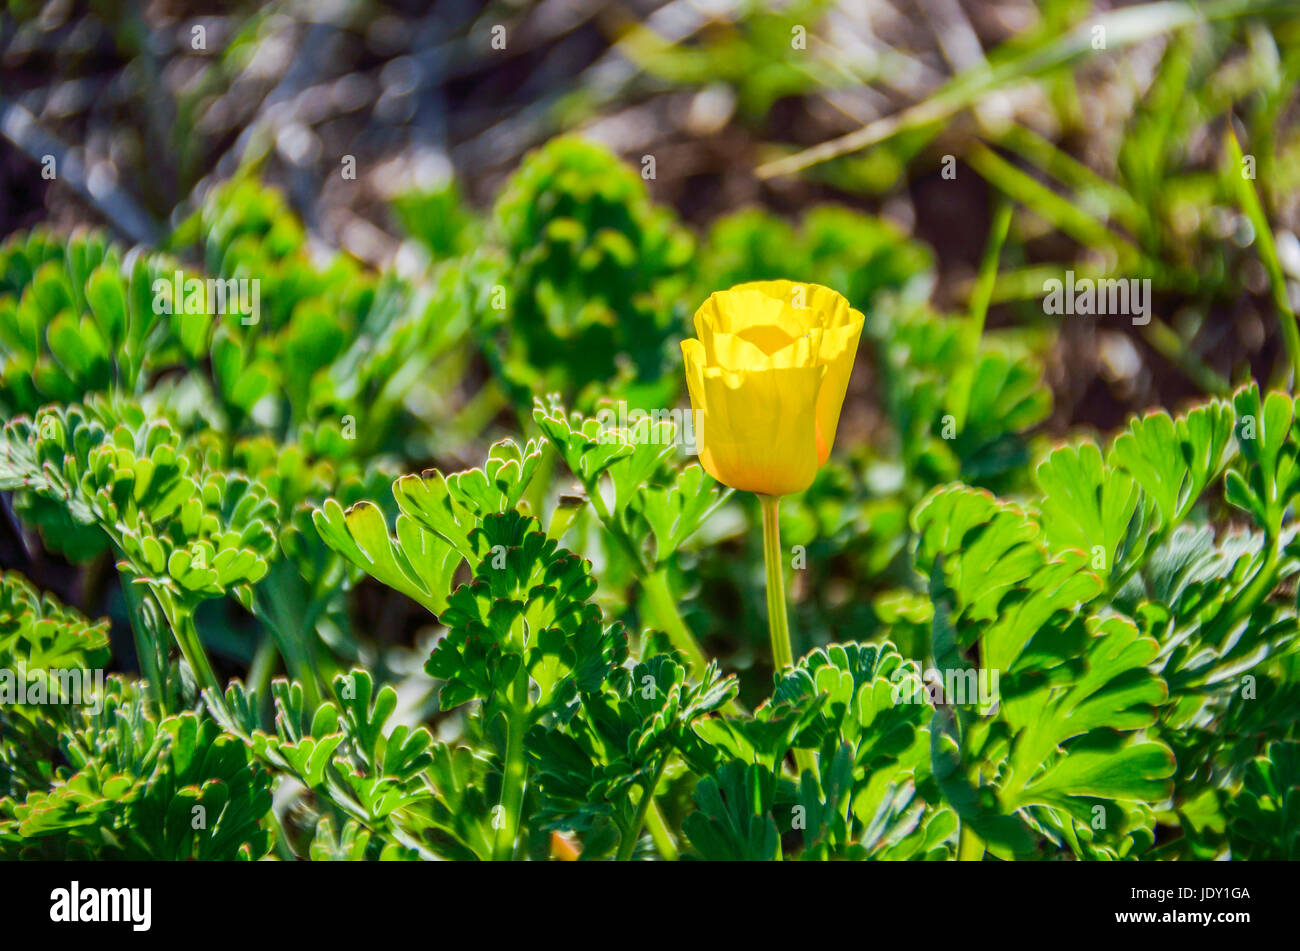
(1254, 210)
(1123, 27)
(1169, 345)
(1055, 209)
(1082, 180)
(1028, 283)
(959, 401)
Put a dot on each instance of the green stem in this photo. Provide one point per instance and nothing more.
(260, 673)
(562, 518)
(655, 585)
(540, 485)
(777, 623)
(149, 653)
(187, 636)
(1250, 597)
(615, 529)
(282, 845)
(262, 667)
(628, 845)
(512, 788)
(658, 827)
(970, 847)
(181, 618)
(292, 628)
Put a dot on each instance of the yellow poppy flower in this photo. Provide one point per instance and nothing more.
(767, 378)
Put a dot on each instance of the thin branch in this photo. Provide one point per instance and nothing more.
(122, 211)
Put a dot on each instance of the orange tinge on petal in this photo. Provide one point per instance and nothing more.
(563, 849)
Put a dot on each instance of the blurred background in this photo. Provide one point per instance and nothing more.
(382, 167)
(1111, 151)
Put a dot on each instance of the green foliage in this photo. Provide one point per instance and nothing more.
(872, 795)
(653, 500)
(77, 317)
(755, 55)
(1092, 656)
(619, 736)
(732, 822)
(122, 785)
(362, 772)
(437, 516)
(436, 215)
(39, 632)
(324, 338)
(1074, 690)
(1262, 818)
(594, 268)
(858, 255)
(40, 639)
(187, 536)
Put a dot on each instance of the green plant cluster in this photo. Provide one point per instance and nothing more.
(322, 650)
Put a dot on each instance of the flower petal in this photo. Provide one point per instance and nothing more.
(838, 351)
(754, 310)
(757, 430)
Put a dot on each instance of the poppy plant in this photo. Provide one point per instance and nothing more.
(767, 377)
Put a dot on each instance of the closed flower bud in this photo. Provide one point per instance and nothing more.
(767, 378)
